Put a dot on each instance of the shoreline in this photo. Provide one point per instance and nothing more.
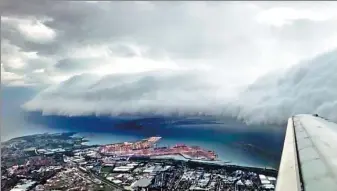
(86, 141)
(215, 162)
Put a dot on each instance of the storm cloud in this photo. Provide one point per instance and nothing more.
(172, 57)
(309, 87)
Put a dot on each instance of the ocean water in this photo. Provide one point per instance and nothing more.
(225, 136)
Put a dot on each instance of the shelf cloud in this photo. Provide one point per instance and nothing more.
(240, 59)
(309, 87)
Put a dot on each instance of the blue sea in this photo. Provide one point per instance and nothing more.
(225, 136)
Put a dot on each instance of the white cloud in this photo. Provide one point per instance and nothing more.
(133, 65)
(89, 51)
(305, 88)
(39, 70)
(12, 57)
(105, 59)
(21, 68)
(8, 75)
(11, 79)
(31, 28)
(157, 91)
(280, 16)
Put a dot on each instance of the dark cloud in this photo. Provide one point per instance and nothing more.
(159, 25)
(179, 30)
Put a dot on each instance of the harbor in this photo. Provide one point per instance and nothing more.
(147, 148)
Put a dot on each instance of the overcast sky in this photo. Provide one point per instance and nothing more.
(44, 43)
(48, 41)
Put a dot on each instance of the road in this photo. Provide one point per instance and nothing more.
(105, 181)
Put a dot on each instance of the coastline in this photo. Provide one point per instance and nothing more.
(225, 153)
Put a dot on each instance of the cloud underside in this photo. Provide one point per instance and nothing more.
(309, 87)
(49, 42)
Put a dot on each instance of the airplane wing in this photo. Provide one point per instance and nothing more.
(309, 157)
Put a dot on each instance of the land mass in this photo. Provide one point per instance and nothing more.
(61, 161)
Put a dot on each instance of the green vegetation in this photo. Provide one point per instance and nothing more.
(106, 169)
